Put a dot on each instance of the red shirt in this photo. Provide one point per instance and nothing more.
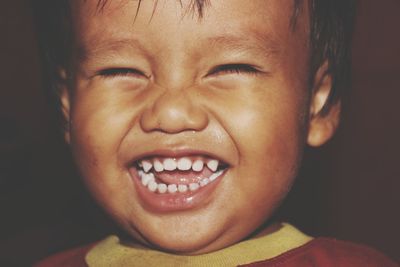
(324, 252)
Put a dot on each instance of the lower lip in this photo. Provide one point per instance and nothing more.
(174, 202)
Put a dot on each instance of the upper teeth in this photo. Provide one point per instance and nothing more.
(170, 164)
(158, 166)
(213, 165)
(146, 165)
(182, 164)
(198, 165)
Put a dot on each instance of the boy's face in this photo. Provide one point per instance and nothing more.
(169, 86)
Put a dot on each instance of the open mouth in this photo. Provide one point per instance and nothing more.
(165, 175)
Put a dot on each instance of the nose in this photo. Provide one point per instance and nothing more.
(174, 112)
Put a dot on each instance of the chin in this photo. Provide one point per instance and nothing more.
(184, 243)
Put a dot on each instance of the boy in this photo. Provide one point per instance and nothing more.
(187, 120)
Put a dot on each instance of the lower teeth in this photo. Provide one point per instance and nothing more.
(148, 180)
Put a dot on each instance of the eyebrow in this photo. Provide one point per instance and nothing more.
(252, 42)
(112, 46)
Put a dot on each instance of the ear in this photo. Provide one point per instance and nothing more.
(322, 125)
(65, 100)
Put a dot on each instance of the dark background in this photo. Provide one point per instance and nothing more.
(348, 189)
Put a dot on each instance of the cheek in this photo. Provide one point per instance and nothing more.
(269, 135)
(97, 129)
(96, 137)
(100, 119)
(271, 127)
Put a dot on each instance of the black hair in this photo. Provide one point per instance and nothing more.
(331, 27)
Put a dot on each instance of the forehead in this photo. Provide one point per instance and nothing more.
(189, 6)
(269, 21)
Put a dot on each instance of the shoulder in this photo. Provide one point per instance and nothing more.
(342, 253)
(329, 253)
(70, 258)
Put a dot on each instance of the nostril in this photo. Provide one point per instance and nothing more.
(173, 114)
(198, 119)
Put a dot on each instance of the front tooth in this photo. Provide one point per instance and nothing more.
(194, 186)
(152, 186)
(169, 164)
(198, 165)
(146, 165)
(182, 188)
(204, 182)
(213, 165)
(158, 166)
(162, 188)
(184, 164)
(172, 188)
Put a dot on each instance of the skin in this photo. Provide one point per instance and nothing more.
(174, 94)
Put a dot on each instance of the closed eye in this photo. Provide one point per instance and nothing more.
(234, 69)
(121, 72)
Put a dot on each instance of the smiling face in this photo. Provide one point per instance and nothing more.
(189, 131)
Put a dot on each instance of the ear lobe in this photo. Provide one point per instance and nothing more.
(65, 104)
(322, 125)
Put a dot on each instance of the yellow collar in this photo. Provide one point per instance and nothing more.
(111, 252)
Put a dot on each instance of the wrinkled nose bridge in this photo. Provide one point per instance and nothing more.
(174, 111)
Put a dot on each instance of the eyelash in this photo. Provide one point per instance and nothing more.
(115, 72)
(234, 69)
(222, 69)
